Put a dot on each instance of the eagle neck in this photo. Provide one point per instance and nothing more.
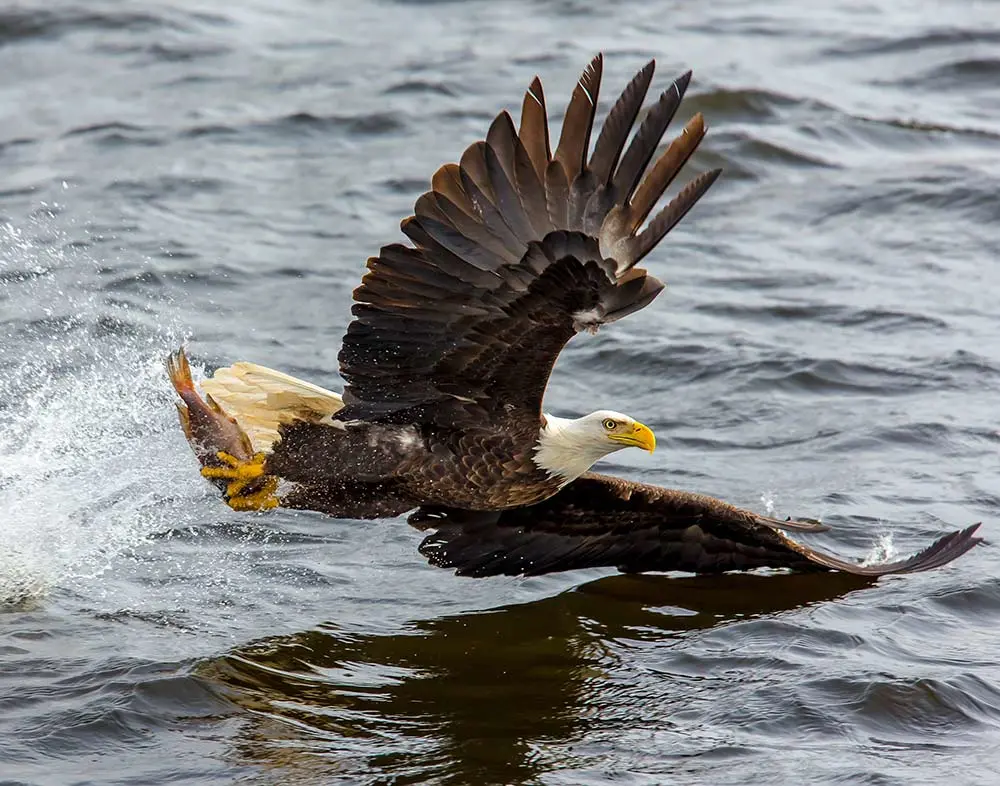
(562, 452)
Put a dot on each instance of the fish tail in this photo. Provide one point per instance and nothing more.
(179, 371)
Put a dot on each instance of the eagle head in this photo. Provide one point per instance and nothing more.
(569, 447)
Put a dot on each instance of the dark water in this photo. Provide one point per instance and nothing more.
(829, 345)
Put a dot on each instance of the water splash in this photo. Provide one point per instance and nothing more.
(84, 421)
(767, 500)
(883, 550)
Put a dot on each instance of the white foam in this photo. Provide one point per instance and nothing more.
(767, 500)
(882, 551)
(87, 455)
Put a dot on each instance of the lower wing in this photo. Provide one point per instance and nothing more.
(602, 521)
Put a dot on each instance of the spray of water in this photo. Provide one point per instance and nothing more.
(767, 500)
(88, 452)
(883, 550)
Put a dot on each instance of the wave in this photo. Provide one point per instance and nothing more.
(921, 42)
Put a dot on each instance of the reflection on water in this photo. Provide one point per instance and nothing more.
(474, 698)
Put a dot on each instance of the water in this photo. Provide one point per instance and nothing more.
(828, 346)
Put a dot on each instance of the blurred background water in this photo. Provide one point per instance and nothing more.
(828, 345)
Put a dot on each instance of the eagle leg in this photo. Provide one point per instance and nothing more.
(243, 475)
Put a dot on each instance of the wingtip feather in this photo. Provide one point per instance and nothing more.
(578, 123)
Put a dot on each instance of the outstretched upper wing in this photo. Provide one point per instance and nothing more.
(514, 251)
(602, 521)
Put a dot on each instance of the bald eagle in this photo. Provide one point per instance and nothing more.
(595, 521)
(512, 252)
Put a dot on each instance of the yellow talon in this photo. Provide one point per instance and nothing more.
(264, 499)
(241, 474)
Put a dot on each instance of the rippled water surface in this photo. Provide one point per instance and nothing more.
(829, 344)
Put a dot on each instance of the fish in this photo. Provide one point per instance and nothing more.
(216, 438)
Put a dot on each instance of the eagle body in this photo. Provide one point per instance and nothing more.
(449, 422)
(358, 469)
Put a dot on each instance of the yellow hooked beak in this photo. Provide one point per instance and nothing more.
(639, 437)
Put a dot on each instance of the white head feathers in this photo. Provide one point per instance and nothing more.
(568, 448)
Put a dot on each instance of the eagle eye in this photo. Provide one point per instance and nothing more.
(610, 424)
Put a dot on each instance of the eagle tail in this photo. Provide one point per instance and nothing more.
(262, 400)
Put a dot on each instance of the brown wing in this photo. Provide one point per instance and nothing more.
(601, 521)
(515, 250)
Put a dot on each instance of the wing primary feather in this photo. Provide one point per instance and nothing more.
(532, 191)
(667, 218)
(405, 262)
(580, 193)
(534, 131)
(939, 553)
(472, 166)
(643, 145)
(556, 193)
(794, 525)
(452, 252)
(500, 138)
(487, 211)
(508, 200)
(447, 182)
(665, 170)
(574, 141)
(442, 209)
(619, 122)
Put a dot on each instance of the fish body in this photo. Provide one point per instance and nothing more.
(209, 430)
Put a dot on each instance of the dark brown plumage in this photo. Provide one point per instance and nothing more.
(514, 251)
(602, 521)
